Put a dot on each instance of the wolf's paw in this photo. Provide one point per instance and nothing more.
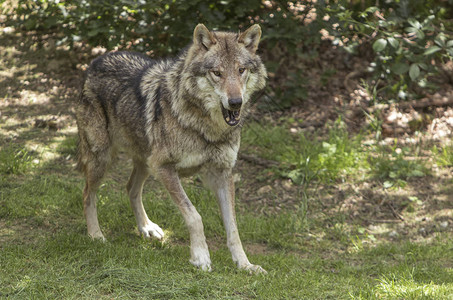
(97, 235)
(150, 230)
(201, 259)
(253, 269)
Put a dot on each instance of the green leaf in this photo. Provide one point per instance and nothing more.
(400, 68)
(423, 66)
(384, 23)
(414, 71)
(413, 198)
(393, 42)
(432, 50)
(371, 9)
(379, 45)
(440, 40)
(416, 173)
(30, 23)
(420, 34)
(414, 23)
(450, 43)
(410, 29)
(51, 21)
(388, 184)
(93, 32)
(295, 176)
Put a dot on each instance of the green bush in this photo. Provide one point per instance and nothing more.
(161, 26)
(408, 39)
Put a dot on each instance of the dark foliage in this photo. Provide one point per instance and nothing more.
(408, 40)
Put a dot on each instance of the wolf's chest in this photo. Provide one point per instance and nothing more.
(191, 160)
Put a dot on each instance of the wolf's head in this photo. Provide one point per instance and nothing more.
(226, 69)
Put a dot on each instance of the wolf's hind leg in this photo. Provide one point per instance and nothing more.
(94, 155)
(135, 188)
(94, 172)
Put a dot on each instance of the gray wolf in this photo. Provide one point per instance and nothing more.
(173, 117)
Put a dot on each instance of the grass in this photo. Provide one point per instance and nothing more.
(69, 265)
(46, 254)
(443, 156)
(14, 161)
(303, 157)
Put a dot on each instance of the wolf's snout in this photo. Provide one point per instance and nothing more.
(235, 103)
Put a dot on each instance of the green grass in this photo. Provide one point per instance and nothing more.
(403, 286)
(393, 165)
(304, 157)
(14, 160)
(309, 251)
(69, 265)
(339, 156)
(443, 156)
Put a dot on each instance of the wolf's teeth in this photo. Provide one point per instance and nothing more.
(227, 119)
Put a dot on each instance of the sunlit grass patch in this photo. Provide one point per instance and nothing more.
(395, 286)
(15, 160)
(338, 156)
(304, 157)
(397, 165)
(443, 155)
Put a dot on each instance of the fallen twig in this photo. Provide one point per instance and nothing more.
(395, 213)
(416, 104)
(258, 160)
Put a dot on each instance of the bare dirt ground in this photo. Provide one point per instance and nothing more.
(39, 81)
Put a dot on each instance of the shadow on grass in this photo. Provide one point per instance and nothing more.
(418, 211)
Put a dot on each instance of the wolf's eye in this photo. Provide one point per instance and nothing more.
(216, 73)
(241, 70)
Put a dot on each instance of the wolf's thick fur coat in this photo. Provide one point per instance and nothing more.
(174, 118)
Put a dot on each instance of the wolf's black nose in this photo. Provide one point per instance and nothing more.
(235, 103)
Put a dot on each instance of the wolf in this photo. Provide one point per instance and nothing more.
(173, 117)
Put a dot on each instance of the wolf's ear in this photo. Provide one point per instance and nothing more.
(203, 37)
(251, 38)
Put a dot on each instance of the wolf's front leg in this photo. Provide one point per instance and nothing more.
(135, 188)
(222, 184)
(199, 253)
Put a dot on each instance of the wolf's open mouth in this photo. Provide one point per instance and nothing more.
(232, 117)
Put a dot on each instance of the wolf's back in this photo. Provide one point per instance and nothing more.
(119, 65)
(114, 80)
(111, 98)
